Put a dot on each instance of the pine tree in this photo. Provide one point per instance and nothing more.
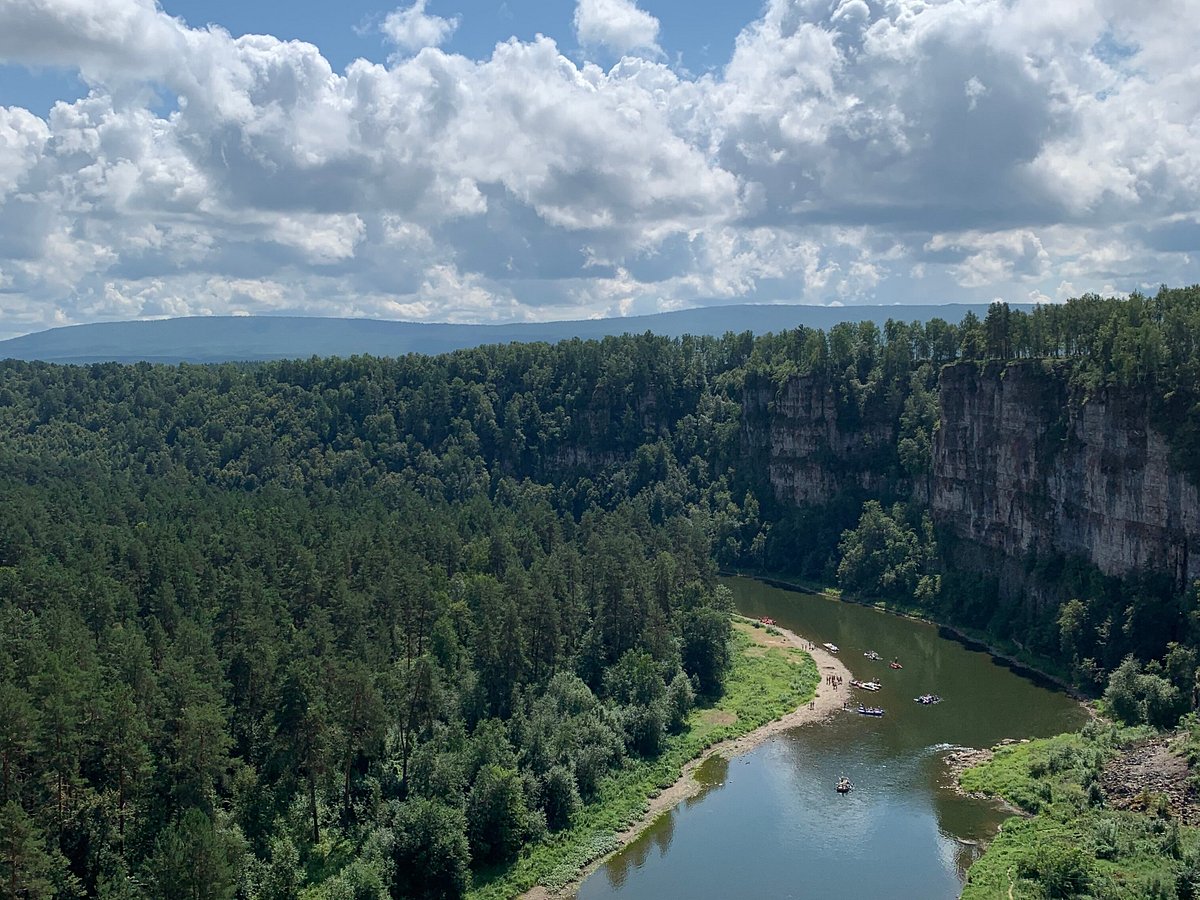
(17, 738)
(24, 863)
(193, 860)
(126, 754)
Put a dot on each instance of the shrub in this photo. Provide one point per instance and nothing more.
(497, 815)
(1107, 837)
(680, 700)
(1061, 871)
(1187, 879)
(560, 797)
(429, 850)
(1136, 697)
(1121, 695)
(645, 728)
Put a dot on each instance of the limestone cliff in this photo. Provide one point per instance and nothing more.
(1028, 466)
(815, 447)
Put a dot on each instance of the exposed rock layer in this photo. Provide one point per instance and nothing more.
(1025, 465)
(814, 448)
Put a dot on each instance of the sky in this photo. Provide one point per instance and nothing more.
(484, 161)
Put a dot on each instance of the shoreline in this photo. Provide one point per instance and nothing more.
(961, 759)
(826, 701)
(951, 632)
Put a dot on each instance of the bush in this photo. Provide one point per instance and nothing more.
(1136, 697)
(1187, 880)
(560, 797)
(497, 815)
(591, 765)
(429, 850)
(1172, 841)
(1160, 700)
(361, 881)
(680, 700)
(1121, 695)
(1061, 871)
(634, 680)
(1107, 837)
(645, 728)
(1160, 888)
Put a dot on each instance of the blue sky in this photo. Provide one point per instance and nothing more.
(439, 161)
(344, 32)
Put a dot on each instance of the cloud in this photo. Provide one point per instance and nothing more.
(23, 137)
(617, 25)
(106, 40)
(993, 258)
(411, 28)
(974, 89)
(853, 152)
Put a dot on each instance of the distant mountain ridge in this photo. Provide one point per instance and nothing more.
(211, 339)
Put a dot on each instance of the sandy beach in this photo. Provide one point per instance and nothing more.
(827, 701)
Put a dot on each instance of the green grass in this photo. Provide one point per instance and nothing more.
(1013, 772)
(1072, 844)
(760, 687)
(998, 646)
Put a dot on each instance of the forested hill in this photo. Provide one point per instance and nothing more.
(227, 338)
(385, 627)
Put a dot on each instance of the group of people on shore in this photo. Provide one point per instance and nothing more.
(833, 681)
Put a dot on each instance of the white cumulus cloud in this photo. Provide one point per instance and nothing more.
(849, 151)
(411, 28)
(618, 25)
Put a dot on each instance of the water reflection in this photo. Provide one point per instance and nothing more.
(769, 824)
(633, 857)
(711, 775)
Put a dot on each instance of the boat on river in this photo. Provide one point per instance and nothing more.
(895, 664)
(870, 711)
(914, 813)
(871, 654)
(866, 685)
(928, 699)
(844, 785)
(832, 648)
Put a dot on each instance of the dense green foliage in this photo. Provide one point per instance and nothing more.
(1155, 694)
(366, 627)
(309, 624)
(191, 673)
(1076, 842)
(760, 687)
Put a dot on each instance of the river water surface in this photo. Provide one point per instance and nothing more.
(769, 823)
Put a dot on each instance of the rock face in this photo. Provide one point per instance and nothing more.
(1025, 466)
(1153, 769)
(813, 449)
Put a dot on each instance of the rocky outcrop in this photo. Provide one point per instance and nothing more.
(813, 448)
(1025, 465)
(574, 458)
(1150, 773)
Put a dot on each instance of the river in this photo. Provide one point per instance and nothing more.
(769, 823)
